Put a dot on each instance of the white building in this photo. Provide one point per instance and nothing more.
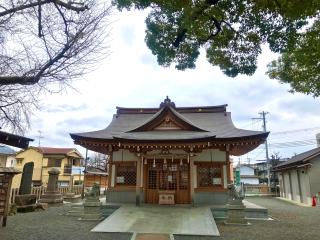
(247, 175)
(299, 178)
(7, 156)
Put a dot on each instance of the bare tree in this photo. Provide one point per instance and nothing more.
(98, 160)
(44, 45)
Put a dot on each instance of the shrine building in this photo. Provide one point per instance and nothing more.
(180, 152)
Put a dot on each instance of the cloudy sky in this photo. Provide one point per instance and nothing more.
(130, 77)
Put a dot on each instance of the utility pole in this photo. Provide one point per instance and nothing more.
(264, 127)
(40, 136)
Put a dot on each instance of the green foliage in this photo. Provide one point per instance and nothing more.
(300, 67)
(231, 32)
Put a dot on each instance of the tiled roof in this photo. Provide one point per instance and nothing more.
(14, 140)
(301, 158)
(215, 124)
(9, 170)
(5, 150)
(50, 150)
(95, 170)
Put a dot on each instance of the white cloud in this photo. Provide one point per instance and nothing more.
(130, 77)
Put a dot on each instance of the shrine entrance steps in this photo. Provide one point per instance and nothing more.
(162, 220)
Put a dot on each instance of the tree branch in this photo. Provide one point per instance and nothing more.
(69, 5)
(182, 32)
(23, 80)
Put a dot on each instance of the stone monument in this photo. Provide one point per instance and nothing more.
(52, 195)
(25, 201)
(236, 213)
(92, 204)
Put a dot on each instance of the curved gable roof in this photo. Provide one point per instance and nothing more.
(160, 116)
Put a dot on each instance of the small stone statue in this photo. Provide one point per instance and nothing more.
(235, 192)
(95, 191)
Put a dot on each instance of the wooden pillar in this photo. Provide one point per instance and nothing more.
(228, 167)
(138, 182)
(192, 181)
(110, 168)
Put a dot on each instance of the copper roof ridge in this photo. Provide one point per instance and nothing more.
(192, 109)
(158, 114)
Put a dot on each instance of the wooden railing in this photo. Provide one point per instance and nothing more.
(38, 191)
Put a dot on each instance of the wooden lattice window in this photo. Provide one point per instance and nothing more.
(152, 177)
(209, 175)
(184, 176)
(126, 174)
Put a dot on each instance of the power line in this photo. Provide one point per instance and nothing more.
(294, 131)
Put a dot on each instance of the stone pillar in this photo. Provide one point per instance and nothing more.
(25, 201)
(52, 195)
(53, 180)
(26, 179)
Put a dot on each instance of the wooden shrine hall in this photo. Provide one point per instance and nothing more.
(170, 155)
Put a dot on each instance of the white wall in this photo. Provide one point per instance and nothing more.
(295, 186)
(124, 155)
(245, 170)
(249, 180)
(11, 161)
(287, 185)
(305, 186)
(314, 174)
(305, 195)
(214, 155)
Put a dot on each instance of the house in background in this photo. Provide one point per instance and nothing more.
(7, 156)
(68, 160)
(95, 175)
(247, 175)
(299, 177)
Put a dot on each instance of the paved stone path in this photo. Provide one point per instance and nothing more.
(160, 219)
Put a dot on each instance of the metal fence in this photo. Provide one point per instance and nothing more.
(38, 191)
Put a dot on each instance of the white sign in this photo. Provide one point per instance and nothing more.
(216, 181)
(120, 179)
(169, 178)
(77, 170)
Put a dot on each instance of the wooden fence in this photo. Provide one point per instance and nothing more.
(258, 190)
(38, 191)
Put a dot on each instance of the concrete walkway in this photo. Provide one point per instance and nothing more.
(160, 219)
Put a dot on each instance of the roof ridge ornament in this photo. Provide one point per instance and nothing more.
(167, 102)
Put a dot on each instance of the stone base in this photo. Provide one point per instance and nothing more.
(51, 197)
(42, 206)
(26, 208)
(71, 197)
(236, 214)
(26, 202)
(241, 222)
(92, 209)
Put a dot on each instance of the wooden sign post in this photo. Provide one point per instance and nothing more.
(6, 175)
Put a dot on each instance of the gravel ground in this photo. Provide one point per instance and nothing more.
(291, 222)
